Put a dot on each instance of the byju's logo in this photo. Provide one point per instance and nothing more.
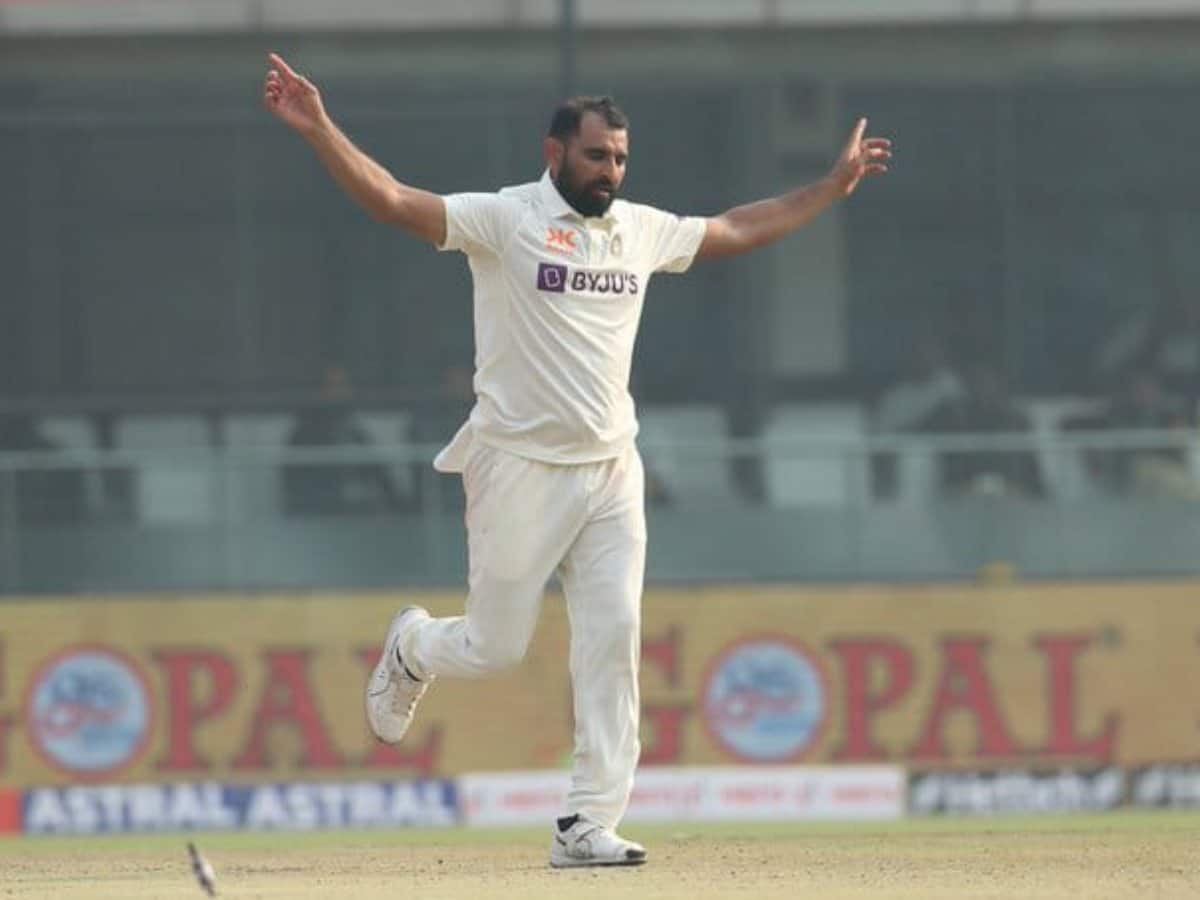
(552, 277)
(556, 278)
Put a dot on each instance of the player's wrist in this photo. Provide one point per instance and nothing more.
(318, 129)
(837, 182)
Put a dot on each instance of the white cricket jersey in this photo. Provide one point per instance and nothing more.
(558, 298)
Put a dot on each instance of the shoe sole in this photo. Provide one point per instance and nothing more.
(596, 865)
(574, 862)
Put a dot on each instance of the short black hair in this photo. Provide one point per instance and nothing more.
(565, 123)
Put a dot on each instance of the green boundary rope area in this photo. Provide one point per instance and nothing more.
(1115, 821)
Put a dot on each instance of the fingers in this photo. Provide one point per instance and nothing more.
(857, 138)
(859, 129)
(272, 89)
(876, 154)
(863, 157)
(868, 150)
(277, 61)
(284, 86)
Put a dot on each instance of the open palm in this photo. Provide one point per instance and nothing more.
(292, 97)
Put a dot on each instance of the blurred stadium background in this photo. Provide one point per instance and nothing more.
(925, 477)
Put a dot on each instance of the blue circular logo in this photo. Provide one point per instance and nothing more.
(765, 700)
(88, 711)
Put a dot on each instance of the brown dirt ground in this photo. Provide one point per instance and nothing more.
(1081, 858)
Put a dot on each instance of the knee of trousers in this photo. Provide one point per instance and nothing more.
(501, 616)
(615, 636)
(499, 642)
(499, 652)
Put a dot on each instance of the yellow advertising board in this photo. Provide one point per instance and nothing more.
(259, 688)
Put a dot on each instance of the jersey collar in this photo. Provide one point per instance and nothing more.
(558, 208)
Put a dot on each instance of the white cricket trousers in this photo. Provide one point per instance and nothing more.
(526, 519)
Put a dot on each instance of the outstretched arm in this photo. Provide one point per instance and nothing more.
(295, 100)
(755, 225)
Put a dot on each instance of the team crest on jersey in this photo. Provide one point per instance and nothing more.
(561, 240)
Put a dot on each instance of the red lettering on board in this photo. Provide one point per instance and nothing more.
(964, 686)
(892, 663)
(185, 671)
(288, 700)
(1060, 652)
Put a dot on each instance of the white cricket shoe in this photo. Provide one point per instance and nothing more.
(392, 693)
(585, 843)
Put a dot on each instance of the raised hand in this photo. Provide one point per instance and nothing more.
(859, 158)
(291, 97)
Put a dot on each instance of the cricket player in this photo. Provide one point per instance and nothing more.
(552, 477)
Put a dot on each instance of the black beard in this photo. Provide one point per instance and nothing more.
(581, 199)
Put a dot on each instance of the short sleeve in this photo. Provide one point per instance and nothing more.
(672, 240)
(477, 222)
